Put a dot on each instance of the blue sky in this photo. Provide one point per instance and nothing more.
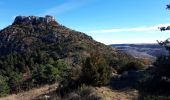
(107, 21)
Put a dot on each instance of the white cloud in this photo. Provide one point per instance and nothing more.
(135, 29)
(124, 41)
(130, 35)
(67, 6)
(132, 40)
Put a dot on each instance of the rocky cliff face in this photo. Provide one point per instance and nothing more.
(33, 19)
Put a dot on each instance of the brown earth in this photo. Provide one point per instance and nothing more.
(105, 92)
(31, 94)
(109, 94)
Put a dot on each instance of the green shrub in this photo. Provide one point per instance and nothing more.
(51, 73)
(68, 76)
(84, 93)
(46, 74)
(134, 65)
(95, 70)
(4, 88)
(162, 65)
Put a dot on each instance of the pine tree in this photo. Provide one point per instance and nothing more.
(95, 70)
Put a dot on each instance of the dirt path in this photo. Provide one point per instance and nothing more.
(30, 95)
(105, 92)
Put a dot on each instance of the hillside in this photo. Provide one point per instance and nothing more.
(45, 34)
(38, 50)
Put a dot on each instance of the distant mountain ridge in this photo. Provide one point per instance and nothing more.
(142, 50)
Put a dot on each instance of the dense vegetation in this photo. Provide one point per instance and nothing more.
(95, 70)
(4, 88)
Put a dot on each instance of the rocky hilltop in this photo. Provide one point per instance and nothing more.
(33, 19)
(44, 33)
(37, 50)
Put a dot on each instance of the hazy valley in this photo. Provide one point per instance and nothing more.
(150, 51)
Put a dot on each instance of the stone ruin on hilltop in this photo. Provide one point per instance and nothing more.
(33, 19)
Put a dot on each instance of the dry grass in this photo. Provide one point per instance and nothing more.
(109, 94)
(104, 92)
(29, 95)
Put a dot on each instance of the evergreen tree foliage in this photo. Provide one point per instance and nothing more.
(4, 88)
(95, 70)
(162, 63)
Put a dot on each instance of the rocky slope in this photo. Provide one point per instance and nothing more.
(44, 33)
(32, 51)
(32, 33)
